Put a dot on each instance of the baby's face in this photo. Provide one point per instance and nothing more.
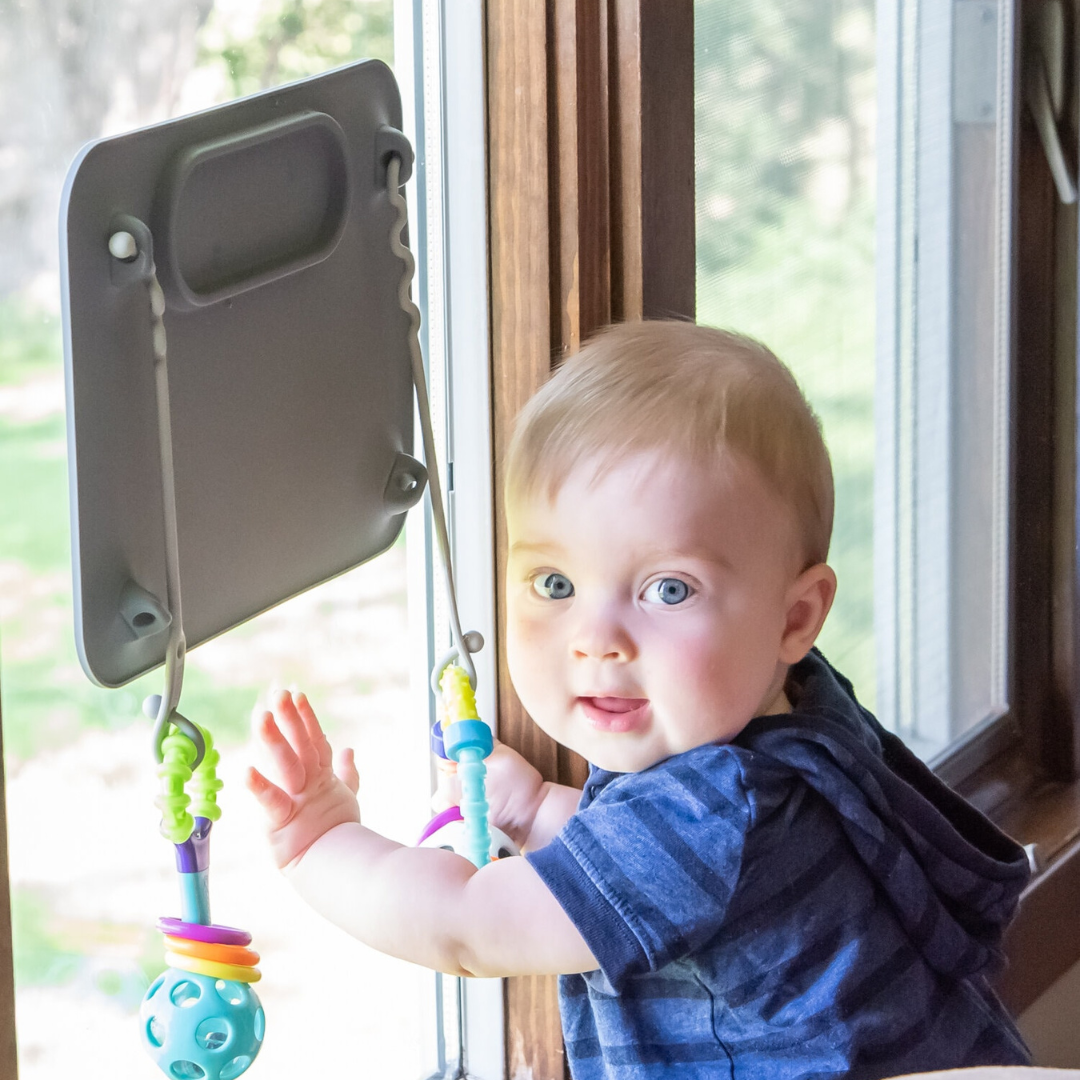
(647, 608)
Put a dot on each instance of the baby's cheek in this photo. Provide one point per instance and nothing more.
(709, 670)
(696, 665)
(525, 657)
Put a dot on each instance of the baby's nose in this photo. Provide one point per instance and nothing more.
(601, 635)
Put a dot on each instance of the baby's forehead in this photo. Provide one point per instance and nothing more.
(719, 474)
(689, 498)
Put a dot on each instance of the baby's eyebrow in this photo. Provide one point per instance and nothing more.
(696, 554)
(521, 547)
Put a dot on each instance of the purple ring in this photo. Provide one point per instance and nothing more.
(214, 934)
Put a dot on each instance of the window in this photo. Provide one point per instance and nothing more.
(89, 873)
(854, 168)
(784, 118)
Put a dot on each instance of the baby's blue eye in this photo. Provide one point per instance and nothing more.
(668, 590)
(553, 586)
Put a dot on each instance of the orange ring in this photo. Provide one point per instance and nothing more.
(228, 972)
(205, 950)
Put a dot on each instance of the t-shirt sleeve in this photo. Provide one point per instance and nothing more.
(646, 871)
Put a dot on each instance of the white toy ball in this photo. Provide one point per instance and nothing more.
(447, 831)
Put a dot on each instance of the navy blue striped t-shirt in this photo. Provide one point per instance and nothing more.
(806, 901)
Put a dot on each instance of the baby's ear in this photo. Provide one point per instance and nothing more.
(808, 601)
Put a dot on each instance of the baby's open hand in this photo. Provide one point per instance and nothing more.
(313, 797)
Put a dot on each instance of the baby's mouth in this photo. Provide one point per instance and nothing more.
(615, 714)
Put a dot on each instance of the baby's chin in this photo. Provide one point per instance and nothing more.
(632, 759)
(624, 759)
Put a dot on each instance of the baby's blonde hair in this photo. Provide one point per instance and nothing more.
(691, 391)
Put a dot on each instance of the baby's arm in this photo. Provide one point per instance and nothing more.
(429, 906)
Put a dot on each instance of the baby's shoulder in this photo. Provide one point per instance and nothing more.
(716, 780)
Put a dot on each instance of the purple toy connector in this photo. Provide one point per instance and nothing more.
(451, 813)
(437, 741)
(193, 855)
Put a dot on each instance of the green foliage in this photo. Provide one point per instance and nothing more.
(296, 38)
(41, 958)
(50, 950)
(33, 486)
(29, 342)
(48, 701)
(769, 76)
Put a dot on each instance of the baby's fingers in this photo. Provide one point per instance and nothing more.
(277, 804)
(292, 725)
(346, 770)
(289, 767)
(314, 729)
(447, 792)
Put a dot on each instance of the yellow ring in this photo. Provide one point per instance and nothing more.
(207, 950)
(229, 972)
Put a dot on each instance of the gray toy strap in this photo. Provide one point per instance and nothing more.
(130, 242)
(463, 644)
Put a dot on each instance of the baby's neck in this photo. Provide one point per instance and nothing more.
(776, 705)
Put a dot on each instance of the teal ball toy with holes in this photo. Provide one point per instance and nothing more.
(200, 1028)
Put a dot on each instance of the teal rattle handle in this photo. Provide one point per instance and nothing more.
(468, 742)
(474, 806)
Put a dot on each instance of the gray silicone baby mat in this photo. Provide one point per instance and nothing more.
(287, 356)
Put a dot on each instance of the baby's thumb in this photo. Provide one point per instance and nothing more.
(447, 791)
(346, 770)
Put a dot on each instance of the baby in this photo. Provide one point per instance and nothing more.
(757, 880)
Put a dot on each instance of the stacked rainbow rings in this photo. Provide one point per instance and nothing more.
(218, 952)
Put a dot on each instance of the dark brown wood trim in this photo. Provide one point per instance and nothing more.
(1032, 790)
(9, 1065)
(652, 127)
(578, 147)
(591, 188)
(1044, 716)
(520, 274)
(1044, 940)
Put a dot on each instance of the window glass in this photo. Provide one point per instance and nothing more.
(89, 871)
(852, 164)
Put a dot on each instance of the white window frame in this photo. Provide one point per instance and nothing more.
(439, 63)
(918, 530)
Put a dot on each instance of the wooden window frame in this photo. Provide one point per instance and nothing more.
(1030, 785)
(591, 189)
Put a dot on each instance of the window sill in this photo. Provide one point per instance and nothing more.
(1044, 940)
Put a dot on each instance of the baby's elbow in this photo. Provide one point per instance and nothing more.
(471, 965)
(467, 966)
(447, 953)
